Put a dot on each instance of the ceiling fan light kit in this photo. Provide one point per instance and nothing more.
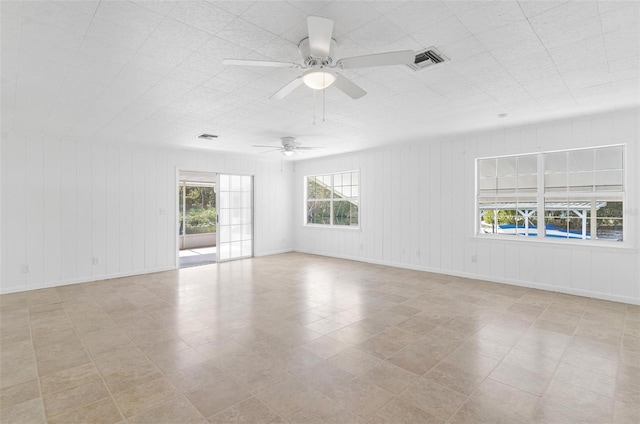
(319, 78)
(317, 53)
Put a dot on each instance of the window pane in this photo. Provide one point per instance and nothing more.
(224, 182)
(555, 221)
(246, 232)
(236, 249)
(575, 228)
(609, 158)
(246, 183)
(581, 181)
(507, 184)
(345, 213)
(317, 188)
(527, 183)
(581, 160)
(318, 212)
(236, 216)
(507, 166)
(236, 183)
(487, 168)
(608, 180)
(555, 182)
(609, 221)
(507, 222)
(246, 248)
(555, 162)
(609, 229)
(527, 164)
(488, 185)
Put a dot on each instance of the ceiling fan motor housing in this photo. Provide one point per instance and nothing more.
(289, 142)
(310, 60)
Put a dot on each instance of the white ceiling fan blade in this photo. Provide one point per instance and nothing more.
(270, 151)
(262, 145)
(267, 63)
(402, 57)
(320, 32)
(287, 89)
(309, 148)
(348, 87)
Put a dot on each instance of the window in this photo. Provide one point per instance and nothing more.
(333, 199)
(573, 194)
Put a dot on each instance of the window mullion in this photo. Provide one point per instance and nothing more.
(593, 219)
(331, 203)
(541, 197)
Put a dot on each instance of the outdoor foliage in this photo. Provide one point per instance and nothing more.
(200, 208)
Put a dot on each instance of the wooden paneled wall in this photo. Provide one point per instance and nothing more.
(65, 203)
(418, 210)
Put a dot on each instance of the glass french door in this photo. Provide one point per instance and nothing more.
(235, 217)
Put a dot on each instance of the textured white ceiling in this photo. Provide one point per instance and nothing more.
(151, 71)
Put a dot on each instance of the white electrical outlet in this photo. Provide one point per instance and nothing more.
(474, 258)
(418, 252)
(25, 269)
(95, 260)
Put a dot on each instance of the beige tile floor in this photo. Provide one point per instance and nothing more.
(305, 339)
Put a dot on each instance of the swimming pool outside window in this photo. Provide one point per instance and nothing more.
(571, 194)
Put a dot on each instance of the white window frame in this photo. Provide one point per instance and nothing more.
(332, 201)
(541, 197)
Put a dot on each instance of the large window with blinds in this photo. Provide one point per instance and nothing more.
(333, 199)
(572, 194)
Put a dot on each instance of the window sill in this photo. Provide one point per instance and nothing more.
(331, 227)
(617, 246)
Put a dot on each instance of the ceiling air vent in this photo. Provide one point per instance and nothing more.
(426, 58)
(208, 136)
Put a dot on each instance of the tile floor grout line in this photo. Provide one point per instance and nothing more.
(619, 364)
(35, 358)
(499, 362)
(397, 396)
(75, 331)
(490, 298)
(98, 368)
(180, 393)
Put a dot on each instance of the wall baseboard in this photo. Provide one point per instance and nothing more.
(508, 281)
(81, 280)
(90, 279)
(513, 282)
(273, 252)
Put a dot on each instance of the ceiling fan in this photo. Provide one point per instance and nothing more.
(319, 63)
(289, 147)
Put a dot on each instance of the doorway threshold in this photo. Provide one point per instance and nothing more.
(198, 257)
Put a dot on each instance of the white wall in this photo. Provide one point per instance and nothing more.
(65, 202)
(418, 211)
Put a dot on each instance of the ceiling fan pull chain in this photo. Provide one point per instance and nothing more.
(314, 107)
(324, 95)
